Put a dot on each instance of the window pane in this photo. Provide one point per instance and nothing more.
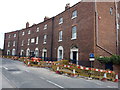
(74, 34)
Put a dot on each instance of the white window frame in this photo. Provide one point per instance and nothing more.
(29, 31)
(28, 42)
(73, 33)
(45, 26)
(22, 43)
(38, 29)
(23, 33)
(74, 14)
(14, 43)
(8, 44)
(61, 20)
(14, 35)
(33, 40)
(44, 39)
(60, 36)
(37, 39)
(44, 50)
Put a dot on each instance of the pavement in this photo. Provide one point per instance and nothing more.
(16, 74)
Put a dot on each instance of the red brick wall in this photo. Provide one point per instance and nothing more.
(85, 31)
(106, 29)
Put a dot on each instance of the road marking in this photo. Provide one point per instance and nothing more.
(27, 71)
(5, 68)
(42, 78)
(54, 84)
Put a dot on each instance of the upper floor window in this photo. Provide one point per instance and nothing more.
(74, 32)
(13, 43)
(32, 40)
(9, 36)
(28, 42)
(14, 35)
(36, 40)
(45, 39)
(111, 11)
(29, 32)
(60, 36)
(45, 26)
(23, 33)
(37, 29)
(22, 43)
(74, 14)
(8, 44)
(61, 20)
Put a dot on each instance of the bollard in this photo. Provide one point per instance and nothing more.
(116, 78)
(104, 78)
(57, 68)
(38, 63)
(28, 63)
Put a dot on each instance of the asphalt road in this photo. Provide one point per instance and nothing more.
(15, 74)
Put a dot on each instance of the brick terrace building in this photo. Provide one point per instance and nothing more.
(86, 27)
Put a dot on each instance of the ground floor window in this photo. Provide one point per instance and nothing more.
(74, 55)
(60, 53)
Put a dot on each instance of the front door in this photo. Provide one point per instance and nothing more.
(74, 56)
(45, 54)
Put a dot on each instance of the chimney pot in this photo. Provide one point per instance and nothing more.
(27, 24)
(46, 18)
(67, 6)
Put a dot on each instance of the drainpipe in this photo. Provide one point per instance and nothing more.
(117, 40)
(97, 32)
(18, 44)
(52, 38)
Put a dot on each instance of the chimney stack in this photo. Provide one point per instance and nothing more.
(67, 6)
(27, 24)
(46, 18)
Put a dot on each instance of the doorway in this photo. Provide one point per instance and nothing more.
(74, 55)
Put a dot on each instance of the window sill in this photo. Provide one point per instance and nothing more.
(44, 43)
(73, 38)
(60, 41)
(74, 17)
(60, 23)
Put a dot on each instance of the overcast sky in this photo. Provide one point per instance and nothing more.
(15, 13)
